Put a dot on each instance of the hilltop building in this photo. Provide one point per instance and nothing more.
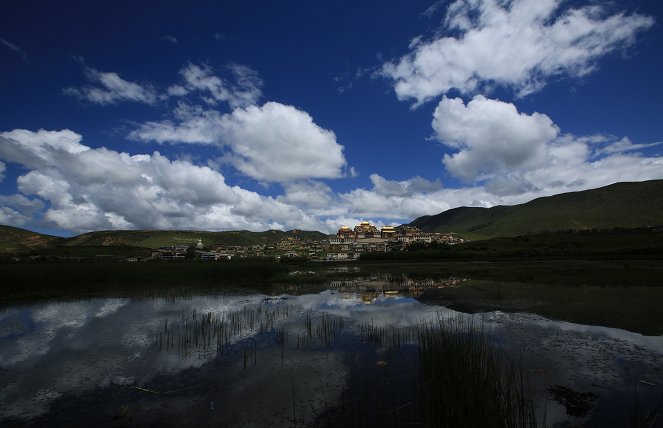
(349, 244)
(387, 232)
(345, 232)
(366, 230)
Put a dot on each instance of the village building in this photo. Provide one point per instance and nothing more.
(173, 252)
(408, 230)
(214, 256)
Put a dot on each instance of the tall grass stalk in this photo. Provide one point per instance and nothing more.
(386, 337)
(466, 383)
(210, 332)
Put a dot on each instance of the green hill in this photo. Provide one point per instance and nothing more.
(16, 240)
(158, 238)
(624, 205)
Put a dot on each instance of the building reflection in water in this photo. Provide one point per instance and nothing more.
(370, 288)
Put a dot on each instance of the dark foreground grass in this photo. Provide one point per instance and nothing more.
(465, 383)
(47, 281)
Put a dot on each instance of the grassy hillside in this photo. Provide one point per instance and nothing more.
(626, 205)
(615, 242)
(643, 243)
(15, 240)
(93, 251)
(158, 238)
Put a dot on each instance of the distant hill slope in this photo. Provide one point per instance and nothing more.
(627, 205)
(158, 238)
(16, 240)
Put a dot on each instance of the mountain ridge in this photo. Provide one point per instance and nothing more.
(624, 205)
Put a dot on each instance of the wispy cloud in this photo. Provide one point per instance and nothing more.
(110, 88)
(625, 145)
(241, 89)
(244, 91)
(171, 39)
(346, 81)
(433, 8)
(16, 49)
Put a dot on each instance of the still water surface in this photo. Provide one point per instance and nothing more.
(322, 359)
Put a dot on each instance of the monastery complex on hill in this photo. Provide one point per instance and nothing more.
(347, 244)
(350, 243)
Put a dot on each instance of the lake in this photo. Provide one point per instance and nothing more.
(346, 354)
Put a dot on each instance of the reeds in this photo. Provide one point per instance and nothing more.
(466, 383)
(465, 380)
(387, 337)
(318, 329)
(327, 328)
(210, 332)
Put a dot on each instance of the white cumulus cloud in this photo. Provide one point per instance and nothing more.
(514, 43)
(310, 194)
(71, 186)
(273, 142)
(519, 156)
(490, 136)
(92, 189)
(277, 142)
(406, 188)
(17, 209)
(191, 125)
(390, 199)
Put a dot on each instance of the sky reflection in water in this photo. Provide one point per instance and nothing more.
(84, 359)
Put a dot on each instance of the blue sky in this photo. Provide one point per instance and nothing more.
(313, 115)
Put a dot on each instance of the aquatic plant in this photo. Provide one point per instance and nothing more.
(466, 383)
(386, 337)
(212, 332)
(460, 377)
